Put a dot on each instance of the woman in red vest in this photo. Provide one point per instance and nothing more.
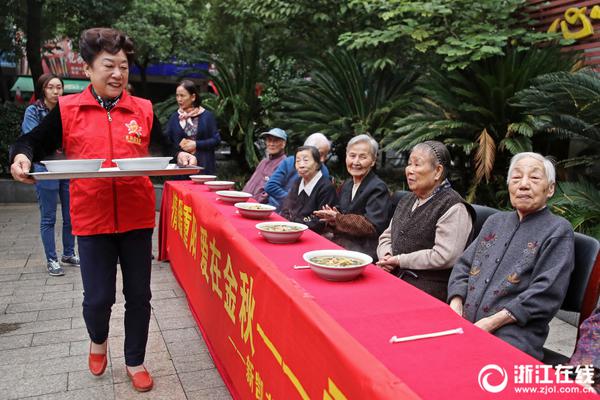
(112, 217)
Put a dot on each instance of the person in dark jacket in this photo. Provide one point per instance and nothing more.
(362, 211)
(310, 192)
(193, 128)
(513, 278)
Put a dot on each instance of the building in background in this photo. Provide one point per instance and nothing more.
(59, 58)
(575, 20)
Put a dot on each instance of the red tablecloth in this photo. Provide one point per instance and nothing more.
(277, 332)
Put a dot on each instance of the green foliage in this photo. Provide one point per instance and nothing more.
(237, 106)
(470, 109)
(459, 32)
(11, 116)
(301, 29)
(161, 30)
(70, 18)
(579, 202)
(342, 99)
(164, 109)
(567, 105)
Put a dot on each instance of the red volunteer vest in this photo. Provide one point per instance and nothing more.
(108, 205)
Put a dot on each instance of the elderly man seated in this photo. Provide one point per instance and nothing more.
(513, 278)
(275, 141)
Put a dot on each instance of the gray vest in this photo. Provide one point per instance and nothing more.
(415, 230)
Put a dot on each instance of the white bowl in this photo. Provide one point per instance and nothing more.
(279, 237)
(337, 273)
(91, 165)
(255, 210)
(232, 196)
(142, 163)
(219, 185)
(202, 178)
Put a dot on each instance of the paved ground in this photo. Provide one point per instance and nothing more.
(44, 343)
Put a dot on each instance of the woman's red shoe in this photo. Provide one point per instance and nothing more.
(141, 380)
(97, 362)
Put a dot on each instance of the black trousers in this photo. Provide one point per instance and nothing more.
(99, 255)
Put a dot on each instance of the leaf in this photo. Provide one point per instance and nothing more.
(485, 156)
(516, 145)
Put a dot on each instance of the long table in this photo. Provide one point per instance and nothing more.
(276, 332)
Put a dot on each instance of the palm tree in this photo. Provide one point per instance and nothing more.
(469, 109)
(579, 202)
(567, 105)
(342, 99)
(237, 105)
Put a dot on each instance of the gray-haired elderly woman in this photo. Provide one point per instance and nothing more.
(513, 278)
(364, 200)
(430, 227)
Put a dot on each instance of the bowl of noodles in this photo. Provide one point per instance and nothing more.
(337, 265)
(254, 210)
(280, 232)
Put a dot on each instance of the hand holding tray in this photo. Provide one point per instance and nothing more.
(115, 172)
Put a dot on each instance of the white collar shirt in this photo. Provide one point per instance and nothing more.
(308, 188)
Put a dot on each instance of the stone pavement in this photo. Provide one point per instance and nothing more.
(44, 343)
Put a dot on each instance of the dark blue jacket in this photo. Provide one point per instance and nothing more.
(207, 138)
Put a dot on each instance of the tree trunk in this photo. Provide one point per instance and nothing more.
(144, 78)
(34, 38)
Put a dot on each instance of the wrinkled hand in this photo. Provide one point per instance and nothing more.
(20, 167)
(186, 159)
(388, 263)
(327, 214)
(188, 145)
(456, 304)
(496, 321)
(486, 324)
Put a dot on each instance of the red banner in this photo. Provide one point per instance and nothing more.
(278, 332)
(270, 340)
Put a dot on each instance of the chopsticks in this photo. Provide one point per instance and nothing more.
(457, 331)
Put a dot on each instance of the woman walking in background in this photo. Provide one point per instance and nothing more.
(193, 128)
(48, 89)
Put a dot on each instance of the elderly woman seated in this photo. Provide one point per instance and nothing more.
(430, 227)
(362, 214)
(311, 191)
(513, 278)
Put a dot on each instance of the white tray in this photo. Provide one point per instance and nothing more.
(115, 172)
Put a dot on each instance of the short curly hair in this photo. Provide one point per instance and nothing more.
(94, 41)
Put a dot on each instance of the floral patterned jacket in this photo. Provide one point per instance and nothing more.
(523, 266)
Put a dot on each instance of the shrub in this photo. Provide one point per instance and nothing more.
(11, 116)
